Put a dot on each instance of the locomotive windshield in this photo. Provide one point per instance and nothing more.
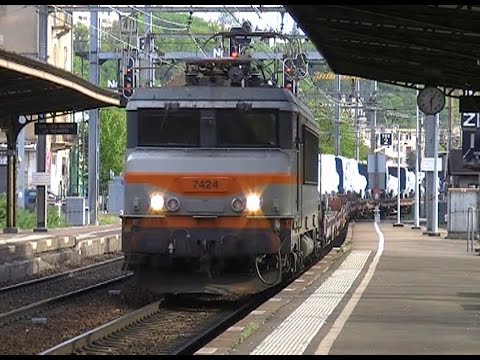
(169, 128)
(227, 128)
(245, 129)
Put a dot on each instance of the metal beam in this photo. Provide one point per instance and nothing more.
(183, 55)
(42, 139)
(172, 9)
(93, 129)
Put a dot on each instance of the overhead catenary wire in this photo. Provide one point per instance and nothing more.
(128, 45)
(144, 23)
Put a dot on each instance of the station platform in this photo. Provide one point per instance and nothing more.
(387, 291)
(28, 253)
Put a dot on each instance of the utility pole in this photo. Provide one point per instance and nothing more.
(93, 129)
(416, 225)
(357, 99)
(338, 96)
(42, 139)
(420, 159)
(373, 119)
(431, 151)
(149, 46)
(21, 168)
(399, 223)
(449, 143)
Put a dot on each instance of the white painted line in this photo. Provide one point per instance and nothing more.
(235, 328)
(206, 351)
(258, 312)
(327, 342)
(275, 299)
(294, 334)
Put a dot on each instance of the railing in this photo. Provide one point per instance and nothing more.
(471, 228)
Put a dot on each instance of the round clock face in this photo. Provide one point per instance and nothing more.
(431, 100)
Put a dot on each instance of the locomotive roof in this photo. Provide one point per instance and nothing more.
(216, 96)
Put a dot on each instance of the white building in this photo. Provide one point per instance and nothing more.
(408, 144)
(106, 18)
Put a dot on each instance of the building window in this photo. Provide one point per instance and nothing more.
(55, 54)
(65, 58)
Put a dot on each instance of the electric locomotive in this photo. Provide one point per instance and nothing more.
(221, 183)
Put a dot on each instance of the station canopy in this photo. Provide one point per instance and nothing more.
(29, 87)
(408, 45)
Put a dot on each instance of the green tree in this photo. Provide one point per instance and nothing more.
(324, 114)
(113, 137)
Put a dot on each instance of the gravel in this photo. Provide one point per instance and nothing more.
(63, 322)
(16, 298)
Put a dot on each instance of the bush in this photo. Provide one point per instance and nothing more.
(108, 219)
(27, 219)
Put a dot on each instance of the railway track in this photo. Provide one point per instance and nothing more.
(35, 291)
(47, 304)
(158, 328)
(166, 327)
(40, 326)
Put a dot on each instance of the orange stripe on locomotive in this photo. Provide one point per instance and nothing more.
(223, 184)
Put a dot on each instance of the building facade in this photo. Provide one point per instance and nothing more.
(19, 32)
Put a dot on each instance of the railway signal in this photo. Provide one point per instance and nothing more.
(288, 78)
(128, 78)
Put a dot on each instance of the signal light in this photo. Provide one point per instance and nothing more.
(287, 81)
(288, 76)
(128, 78)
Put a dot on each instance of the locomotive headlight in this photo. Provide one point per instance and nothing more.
(254, 203)
(156, 202)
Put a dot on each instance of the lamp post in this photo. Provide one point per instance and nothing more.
(398, 223)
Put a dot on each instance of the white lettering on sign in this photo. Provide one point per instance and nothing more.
(41, 178)
(218, 53)
(471, 120)
(386, 139)
(112, 84)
